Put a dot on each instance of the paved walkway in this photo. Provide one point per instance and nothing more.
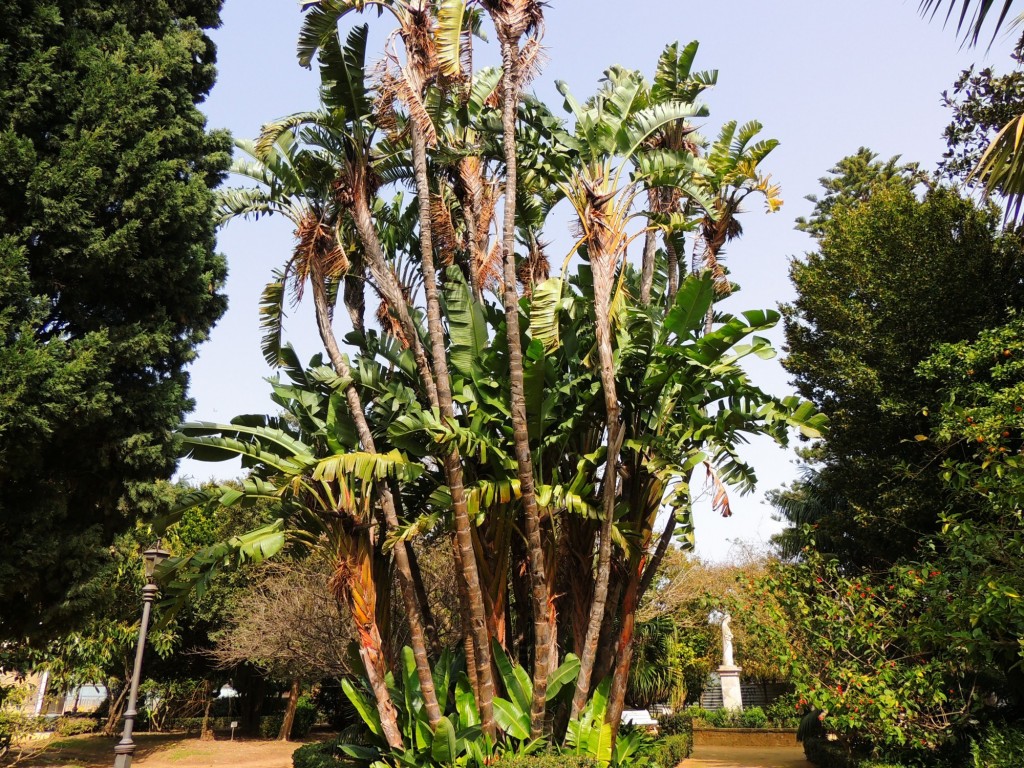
(747, 757)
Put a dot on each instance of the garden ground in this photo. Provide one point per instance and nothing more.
(746, 757)
(165, 751)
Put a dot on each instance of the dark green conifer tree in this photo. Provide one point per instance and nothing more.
(108, 275)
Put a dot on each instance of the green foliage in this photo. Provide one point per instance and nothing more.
(70, 725)
(319, 755)
(676, 723)
(998, 746)
(982, 102)
(656, 674)
(784, 712)
(109, 280)
(546, 760)
(873, 301)
(670, 750)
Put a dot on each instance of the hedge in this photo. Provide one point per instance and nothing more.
(669, 751)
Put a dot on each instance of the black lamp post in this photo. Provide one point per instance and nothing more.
(126, 747)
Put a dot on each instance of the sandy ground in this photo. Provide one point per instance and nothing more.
(165, 751)
(747, 757)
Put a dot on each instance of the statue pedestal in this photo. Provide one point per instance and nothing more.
(732, 697)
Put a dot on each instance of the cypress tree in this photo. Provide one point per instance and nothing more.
(108, 275)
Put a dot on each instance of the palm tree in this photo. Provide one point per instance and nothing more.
(514, 19)
(1001, 167)
(302, 184)
(423, 66)
(611, 129)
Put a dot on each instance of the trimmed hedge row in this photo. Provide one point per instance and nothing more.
(669, 751)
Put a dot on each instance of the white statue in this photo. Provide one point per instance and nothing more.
(727, 657)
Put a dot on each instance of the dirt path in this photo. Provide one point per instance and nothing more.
(166, 751)
(746, 757)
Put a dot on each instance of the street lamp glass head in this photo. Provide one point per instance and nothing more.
(153, 557)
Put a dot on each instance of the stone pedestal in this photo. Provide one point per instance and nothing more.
(732, 697)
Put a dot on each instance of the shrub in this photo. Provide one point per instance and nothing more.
(305, 718)
(317, 755)
(73, 726)
(544, 761)
(753, 718)
(671, 750)
(674, 724)
(999, 747)
(270, 726)
(784, 712)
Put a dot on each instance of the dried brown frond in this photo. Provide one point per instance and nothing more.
(418, 37)
(315, 242)
(535, 268)
(413, 101)
(515, 18)
(390, 324)
(386, 90)
(720, 500)
(443, 229)
(490, 270)
(532, 59)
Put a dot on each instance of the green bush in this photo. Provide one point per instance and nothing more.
(544, 761)
(270, 726)
(674, 724)
(784, 712)
(73, 726)
(753, 718)
(305, 718)
(317, 755)
(999, 747)
(669, 751)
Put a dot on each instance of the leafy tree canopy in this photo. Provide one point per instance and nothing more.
(895, 273)
(108, 277)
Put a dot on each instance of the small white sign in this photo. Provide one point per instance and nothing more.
(234, 723)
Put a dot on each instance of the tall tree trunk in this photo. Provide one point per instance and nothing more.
(659, 554)
(624, 652)
(452, 460)
(673, 271)
(520, 429)
(429, 623)
(647, 267)
(405, 575)
(116, 709)
(205, 731)
(616, 432)
(288, 721)
(609, 642)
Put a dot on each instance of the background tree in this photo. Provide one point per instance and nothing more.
(109, 278)
(894, 274)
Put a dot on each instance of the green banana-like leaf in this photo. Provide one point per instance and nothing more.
(566, 674)
(443, 749)
(213, 448)
(544, 307)
(181, 576)
(272, 316)
(368, 466)
(511, 719)
(448, 36)
(1001, 167)
(466, 325)
(465, 702)
(320, 23)
(650, 119)
(686, 317)
(515, 679)
(368, 712)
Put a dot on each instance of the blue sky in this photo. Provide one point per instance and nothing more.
(824, 78)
